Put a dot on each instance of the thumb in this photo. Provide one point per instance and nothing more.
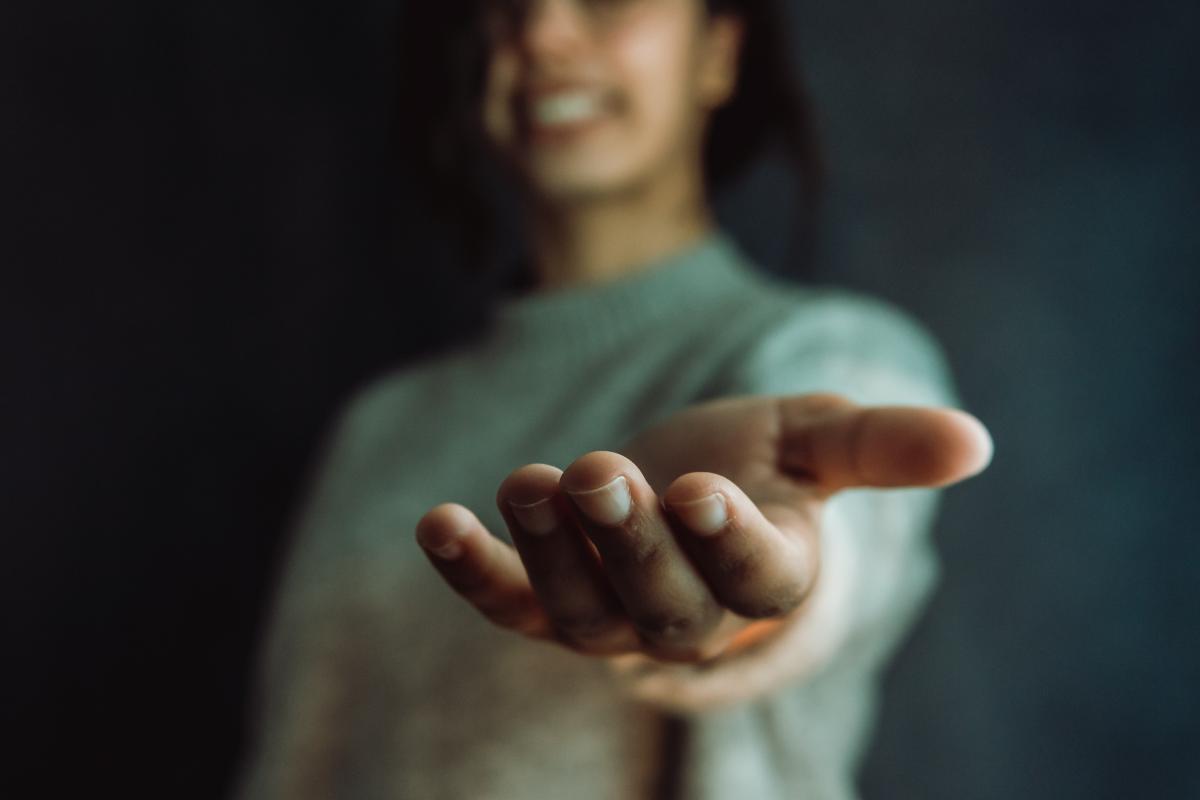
(838, 444)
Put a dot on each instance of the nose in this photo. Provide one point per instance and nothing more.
(552, 27)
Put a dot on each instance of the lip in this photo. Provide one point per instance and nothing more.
(534, 91)
(562, 133)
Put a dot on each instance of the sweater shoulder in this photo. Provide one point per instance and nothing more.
(370, 408)
(794, 337)
(786, 309)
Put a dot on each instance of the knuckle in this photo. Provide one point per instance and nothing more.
(776, 602)
(665, 627)
(586, 626)
(739, 571)
(632, 553)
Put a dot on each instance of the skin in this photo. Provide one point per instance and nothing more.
(650, 584)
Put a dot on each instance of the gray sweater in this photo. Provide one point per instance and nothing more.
(377, 681)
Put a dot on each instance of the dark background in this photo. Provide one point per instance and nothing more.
(206, 244)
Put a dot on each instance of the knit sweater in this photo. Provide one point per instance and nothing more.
(378, 681)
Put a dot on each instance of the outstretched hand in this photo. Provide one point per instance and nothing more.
(699, 535)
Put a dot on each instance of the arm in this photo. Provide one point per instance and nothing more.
(711, 518)
(877, 562)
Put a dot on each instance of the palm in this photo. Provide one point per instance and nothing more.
(733, 437)
(737, 438)
(697, 526)
(795, 451)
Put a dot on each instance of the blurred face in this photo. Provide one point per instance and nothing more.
(587, 98)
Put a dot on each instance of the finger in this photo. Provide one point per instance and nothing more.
(839, 444)
(759, 560)
(562, 566)
(671, 606)
(484, 570)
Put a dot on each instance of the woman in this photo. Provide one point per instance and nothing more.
(655, 532)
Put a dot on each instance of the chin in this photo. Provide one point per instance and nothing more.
(575, 182)
(575, 191)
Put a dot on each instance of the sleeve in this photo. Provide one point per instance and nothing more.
(878, 564)
(313, 659)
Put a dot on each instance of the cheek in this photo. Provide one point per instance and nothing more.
(499, 85)
(656, 76)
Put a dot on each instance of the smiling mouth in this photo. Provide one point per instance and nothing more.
(563, 115)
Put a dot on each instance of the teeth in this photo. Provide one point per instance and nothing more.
(566, 107)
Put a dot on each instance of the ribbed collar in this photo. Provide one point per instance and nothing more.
(586, 317)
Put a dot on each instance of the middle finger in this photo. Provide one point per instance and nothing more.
(672, 608)
(562, 567)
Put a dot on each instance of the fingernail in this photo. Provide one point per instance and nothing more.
(704, 516)
(537, 518)
(608, 505)
(449, 548)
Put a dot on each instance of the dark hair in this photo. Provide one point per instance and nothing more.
(442, 58)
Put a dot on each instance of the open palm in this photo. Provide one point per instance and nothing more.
(699, 534)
